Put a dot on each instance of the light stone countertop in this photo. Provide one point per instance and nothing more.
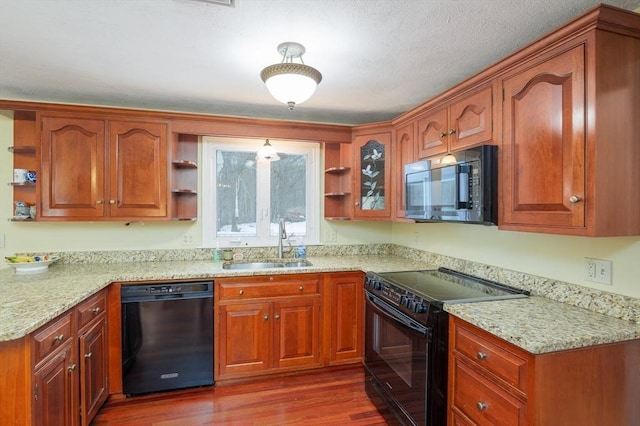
(539, 325)
(536, 324)
(29, 301)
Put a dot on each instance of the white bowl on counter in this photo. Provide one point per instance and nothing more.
(35, 267)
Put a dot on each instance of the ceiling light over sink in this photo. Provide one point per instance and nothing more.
(288, 82)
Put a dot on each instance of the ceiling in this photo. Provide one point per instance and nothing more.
(378, 58)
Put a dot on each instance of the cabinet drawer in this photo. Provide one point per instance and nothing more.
(91, 308)
(502, 363)
(483, 402)
(51, 337)
(275, 288)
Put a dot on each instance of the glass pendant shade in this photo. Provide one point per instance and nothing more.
(267, 152)
(288, 82)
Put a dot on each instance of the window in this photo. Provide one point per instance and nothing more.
(244, 198)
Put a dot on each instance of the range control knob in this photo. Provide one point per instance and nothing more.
(374, 284)
(409, 302)
(420, 307)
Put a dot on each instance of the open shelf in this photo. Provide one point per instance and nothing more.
(184, 177)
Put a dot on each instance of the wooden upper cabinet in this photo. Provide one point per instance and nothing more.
(457, 123)
(95, 169)
(138, 162)
(404, 152)
(372, 161)
(570, 131)
(72, 172)
(543, 147)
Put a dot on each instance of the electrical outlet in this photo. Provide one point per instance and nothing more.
(597, 270)
(187, 240)
(331, 236)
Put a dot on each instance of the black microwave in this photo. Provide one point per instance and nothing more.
(459, 187)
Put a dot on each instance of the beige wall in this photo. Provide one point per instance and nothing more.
(552, 256)
(557, 257)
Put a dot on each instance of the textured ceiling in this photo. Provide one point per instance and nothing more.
(378, 58)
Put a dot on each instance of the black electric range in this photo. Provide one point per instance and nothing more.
(406, 336)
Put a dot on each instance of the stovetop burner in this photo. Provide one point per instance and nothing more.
(448, 286)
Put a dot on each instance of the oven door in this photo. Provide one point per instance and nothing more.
(396, 358)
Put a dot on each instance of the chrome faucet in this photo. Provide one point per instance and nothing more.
(282, 235)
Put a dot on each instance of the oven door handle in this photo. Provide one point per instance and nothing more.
(393, 314)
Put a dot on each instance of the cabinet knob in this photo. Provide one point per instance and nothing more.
(357, 203)
(482, 406)
(481, 356)
(89, 355)
(71, 368)
(301, 288)
(98, 201)
(241, 292)
(266, 318)
(452, 131)
(59, 338)
(112, 201)
(277, 316)
(442, 135)
(574, 199)
(96, 311)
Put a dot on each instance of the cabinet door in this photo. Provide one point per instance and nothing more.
(543, 151)
(471, 119)
(138, 169)
(373, 193)
(297, 332)
(93, 370)
(55, 389)
(346, 317)
(433, 133)
(404, 148)
(245, 336)
(72, 174)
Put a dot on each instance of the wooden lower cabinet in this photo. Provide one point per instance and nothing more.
(55, 384)
(57, 375)
(92, 362)
(267, 324)
(346, 317)
(278, 323)
(492, 382)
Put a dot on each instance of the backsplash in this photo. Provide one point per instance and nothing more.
(619, 306)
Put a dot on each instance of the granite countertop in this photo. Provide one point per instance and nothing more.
(539, 325)
(30, 301)
(535, 324)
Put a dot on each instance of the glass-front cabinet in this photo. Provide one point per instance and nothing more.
(372, 191)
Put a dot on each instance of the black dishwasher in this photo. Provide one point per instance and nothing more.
(167, 336)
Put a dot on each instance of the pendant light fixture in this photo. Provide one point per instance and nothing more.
(267, 152)
(291, 83)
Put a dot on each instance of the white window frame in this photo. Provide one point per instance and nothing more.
(211, 144)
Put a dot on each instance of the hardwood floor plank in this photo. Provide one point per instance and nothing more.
(328, 397)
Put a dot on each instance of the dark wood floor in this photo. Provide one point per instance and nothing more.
(335, 396)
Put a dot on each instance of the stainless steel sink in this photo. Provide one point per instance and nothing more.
(264, 265)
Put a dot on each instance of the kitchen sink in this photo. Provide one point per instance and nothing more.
(270, 264)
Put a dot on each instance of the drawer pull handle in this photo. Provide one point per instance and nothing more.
(481, 356)
(241, 292)
(301, 288)
(89, 355)
(59, 338)
(482, 406)
(95, 311)
(71, 368)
